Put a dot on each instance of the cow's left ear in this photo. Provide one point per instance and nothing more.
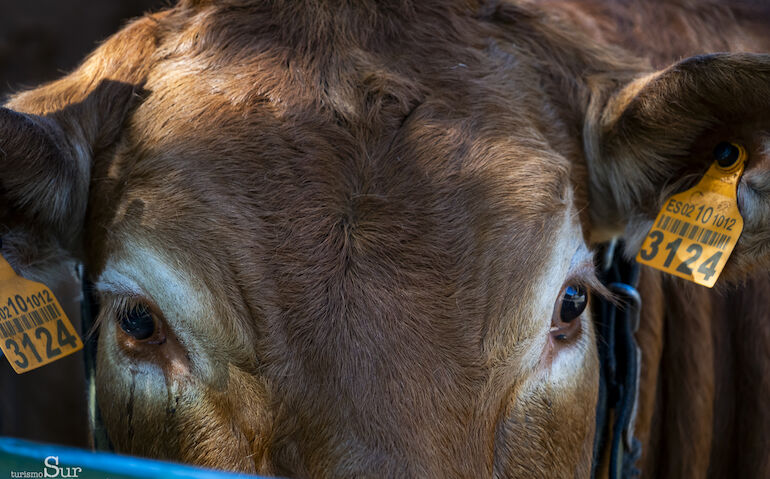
(654, 135)
(46, 159)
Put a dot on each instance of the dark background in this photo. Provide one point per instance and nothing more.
(41, 40)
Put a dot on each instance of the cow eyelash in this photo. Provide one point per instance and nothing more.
(585, 277)
(113, 305)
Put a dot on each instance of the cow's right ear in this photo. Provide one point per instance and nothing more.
(46, 159)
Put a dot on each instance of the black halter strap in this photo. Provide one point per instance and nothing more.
(615, 446)
(89, 311)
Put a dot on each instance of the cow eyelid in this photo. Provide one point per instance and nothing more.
(585, 277)
(115, 305)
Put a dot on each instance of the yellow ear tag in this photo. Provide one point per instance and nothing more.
(34, 330)
(696, 230)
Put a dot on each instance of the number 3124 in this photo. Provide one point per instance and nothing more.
(707, 268)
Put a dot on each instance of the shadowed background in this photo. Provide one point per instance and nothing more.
(41, 40)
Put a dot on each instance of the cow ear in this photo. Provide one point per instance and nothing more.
(654, 135)
(46, 160)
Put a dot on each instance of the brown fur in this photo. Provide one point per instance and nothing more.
(368, 193)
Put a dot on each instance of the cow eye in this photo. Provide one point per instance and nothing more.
(138, 322)
(565, 323)
(573, 303)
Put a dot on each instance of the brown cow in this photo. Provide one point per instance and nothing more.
(344, 239)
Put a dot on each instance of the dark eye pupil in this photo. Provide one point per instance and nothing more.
(138, 322)
(573, 303)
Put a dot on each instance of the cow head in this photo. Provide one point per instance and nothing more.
(333, 259)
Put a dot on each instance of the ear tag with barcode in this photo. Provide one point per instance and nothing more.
(696, 230)
(34, 330)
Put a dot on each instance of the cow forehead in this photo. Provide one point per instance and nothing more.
(345, 197)
(300, 223)
(371, 120)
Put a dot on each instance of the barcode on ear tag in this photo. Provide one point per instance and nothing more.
(34, 331)
(696, 230)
